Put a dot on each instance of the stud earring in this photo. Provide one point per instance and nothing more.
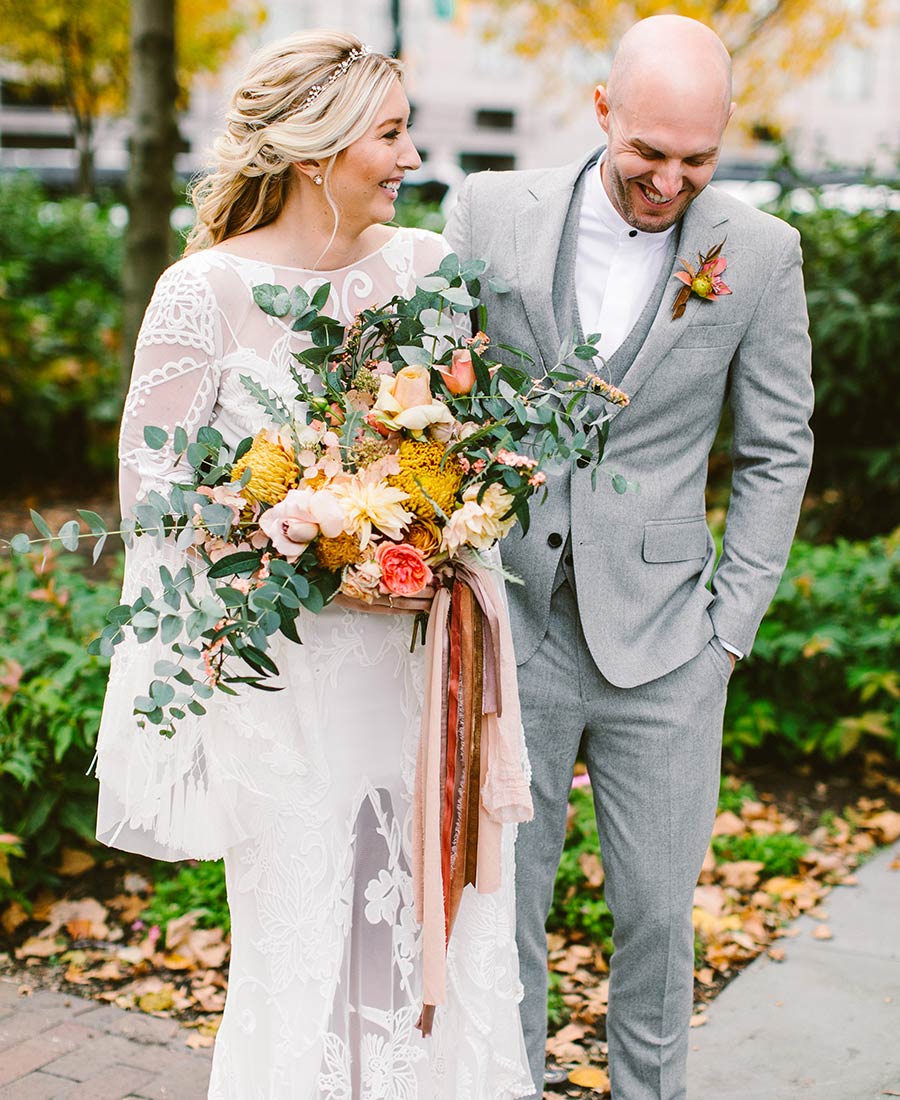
(317, 180)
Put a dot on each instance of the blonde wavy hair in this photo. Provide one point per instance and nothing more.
(268, 128)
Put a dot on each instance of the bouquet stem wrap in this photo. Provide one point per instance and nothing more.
(470, 778)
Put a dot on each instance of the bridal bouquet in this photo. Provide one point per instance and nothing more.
(408, 450)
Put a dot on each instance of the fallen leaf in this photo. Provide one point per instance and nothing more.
(823, 932)
(128, 906)
(87, 916)
(197, 1041)
(728, 824)
(593, 869)
(74, 862)
(13, 915)
(885, 826)
(590, 1077)
(699, 1019)
(743, 874)
(135, 883)
(776, 954)
(39, 947)
(157, 1002)
(710, 898)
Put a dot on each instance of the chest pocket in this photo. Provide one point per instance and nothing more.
(669, 540)
(709, 337)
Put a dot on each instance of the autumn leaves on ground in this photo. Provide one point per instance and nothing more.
(154, 937)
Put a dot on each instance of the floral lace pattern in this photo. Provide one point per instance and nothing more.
(307, 791)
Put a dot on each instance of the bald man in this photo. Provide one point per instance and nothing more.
(626, 630)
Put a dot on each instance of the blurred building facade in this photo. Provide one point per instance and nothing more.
(477, 106)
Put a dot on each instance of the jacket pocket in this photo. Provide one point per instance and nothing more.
(709, 337)
(667, 540)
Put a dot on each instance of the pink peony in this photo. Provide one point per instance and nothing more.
(296, 521)
(403, 569)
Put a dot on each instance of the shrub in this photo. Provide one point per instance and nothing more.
(51, 694)
(823, 676)
(198, 887)
(852, 273)
(59, 333)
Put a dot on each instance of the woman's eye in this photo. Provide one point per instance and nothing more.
(392, 134)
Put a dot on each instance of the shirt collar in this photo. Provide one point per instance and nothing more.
(595, 195)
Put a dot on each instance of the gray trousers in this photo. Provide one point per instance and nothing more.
(653, 755)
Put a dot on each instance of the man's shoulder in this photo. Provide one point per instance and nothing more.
(766, 229)
(521, 183)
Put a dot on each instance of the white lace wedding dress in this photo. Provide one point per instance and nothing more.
(307, 791)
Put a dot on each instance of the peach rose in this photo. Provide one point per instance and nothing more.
(412, 387)
(403, 569)
(460, 378)
(296, 521)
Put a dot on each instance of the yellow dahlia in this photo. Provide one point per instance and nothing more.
(335, 553)
(422, 476)
(273, 471)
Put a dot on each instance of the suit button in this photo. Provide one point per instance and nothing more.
(555, 540)
(569, 560)
(582, 462)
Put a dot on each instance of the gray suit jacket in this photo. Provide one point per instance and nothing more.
(649, 593)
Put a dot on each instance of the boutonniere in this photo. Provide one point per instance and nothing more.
(705, 281)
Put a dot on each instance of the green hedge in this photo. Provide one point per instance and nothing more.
(823, 676)
(60, 318)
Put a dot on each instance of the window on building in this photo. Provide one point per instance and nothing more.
(483, 162)
(9, 139)
(490, 119)
(14, 94)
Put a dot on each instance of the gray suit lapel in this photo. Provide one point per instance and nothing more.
(538, 237)
(700, 231)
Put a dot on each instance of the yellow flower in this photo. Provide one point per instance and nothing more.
(335, 553)
(273, 470)
(368, 502)
(425, 535)
(422, 476)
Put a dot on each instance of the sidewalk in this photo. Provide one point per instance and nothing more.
(824, 1024)
(53, 1045)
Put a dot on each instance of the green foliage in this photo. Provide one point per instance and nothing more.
(196, 887)
(59, 322)
(50, 710)
(823, 676)
(852, 273)
(578, 906)
(733, 794)
(780, 852)
(557, 1010)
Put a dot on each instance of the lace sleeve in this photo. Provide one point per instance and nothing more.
(175, 378)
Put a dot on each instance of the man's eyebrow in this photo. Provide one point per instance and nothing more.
(643, 146)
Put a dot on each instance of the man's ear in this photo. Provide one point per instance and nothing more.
(601, 107)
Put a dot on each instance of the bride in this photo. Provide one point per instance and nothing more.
(306, 792)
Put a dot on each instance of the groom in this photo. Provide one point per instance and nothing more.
(626, 632)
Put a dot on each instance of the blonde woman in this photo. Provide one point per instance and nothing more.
(306, 792)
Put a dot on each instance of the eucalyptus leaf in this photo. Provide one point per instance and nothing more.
(41, 524)
(155, 438)
(21, 543)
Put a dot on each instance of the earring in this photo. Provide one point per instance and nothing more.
(317, 180)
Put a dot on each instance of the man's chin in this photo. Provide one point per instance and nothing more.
(651, 219)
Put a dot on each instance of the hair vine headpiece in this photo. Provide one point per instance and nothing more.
(317, 89)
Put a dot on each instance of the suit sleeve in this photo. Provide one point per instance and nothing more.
(771, 400)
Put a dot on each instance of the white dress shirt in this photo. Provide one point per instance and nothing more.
(616, 269)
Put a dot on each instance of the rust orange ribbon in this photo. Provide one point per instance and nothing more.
(469, 745)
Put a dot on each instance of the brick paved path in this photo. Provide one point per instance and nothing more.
(52, 1044)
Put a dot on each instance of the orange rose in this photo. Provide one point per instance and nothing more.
(460, 378)
(403, 569)
(412, 387)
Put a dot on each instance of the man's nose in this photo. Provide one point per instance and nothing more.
(667, 179)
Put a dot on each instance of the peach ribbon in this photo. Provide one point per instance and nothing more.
(465, 629)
